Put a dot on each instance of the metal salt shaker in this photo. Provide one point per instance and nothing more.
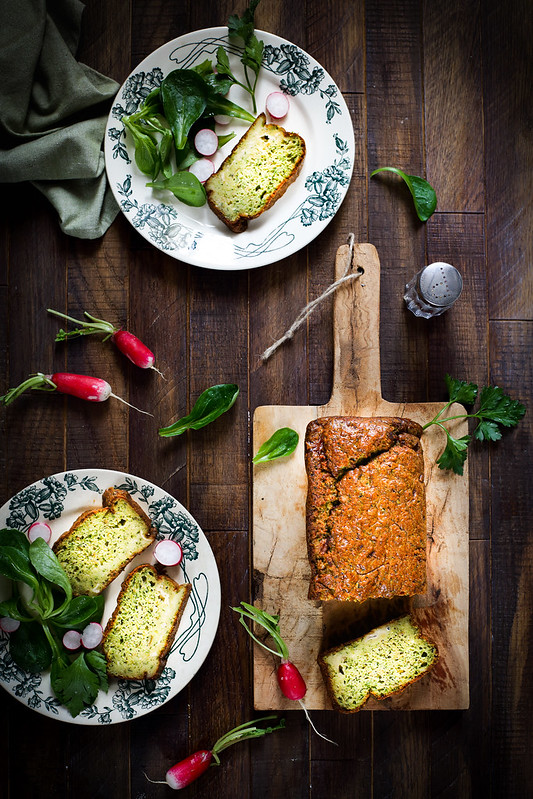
(433, 290)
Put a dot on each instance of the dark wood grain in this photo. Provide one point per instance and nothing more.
(441, 90)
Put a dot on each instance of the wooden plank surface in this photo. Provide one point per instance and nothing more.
(442, 90)
(279, 541)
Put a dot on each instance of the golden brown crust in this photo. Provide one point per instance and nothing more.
(163, 654)
(365, 511)
(327, 682)
(240, 224)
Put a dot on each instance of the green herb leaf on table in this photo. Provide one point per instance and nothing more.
(423, 194)
(281, 443)
(211, 404)
(495, 408)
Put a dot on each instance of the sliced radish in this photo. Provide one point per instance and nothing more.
(206, 142)
(72, 640)
(39, 530)
(222, 119)
(92, 635)
(168, 552)
(9, 625)
(277, 105)
(203, 169)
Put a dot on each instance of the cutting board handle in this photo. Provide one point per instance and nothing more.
(356, 369)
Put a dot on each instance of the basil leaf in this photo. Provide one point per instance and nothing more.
(29, 648)
(424, 196)
(15, 566)
(47, 565)
(185, 186)
(211, 404)
(184, 96)
(80, 612)
(283, 442)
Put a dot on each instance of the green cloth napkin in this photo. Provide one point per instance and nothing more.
(53, 112)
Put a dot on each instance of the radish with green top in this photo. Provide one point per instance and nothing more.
(190, 768)
(290, 680)
(39, 530)
(92, 389)
(128, 344)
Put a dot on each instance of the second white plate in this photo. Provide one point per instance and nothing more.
(317, 112)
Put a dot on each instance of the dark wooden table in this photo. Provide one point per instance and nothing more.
(441, 90)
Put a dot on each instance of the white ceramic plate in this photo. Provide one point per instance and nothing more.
(59, 500)
(195, 235)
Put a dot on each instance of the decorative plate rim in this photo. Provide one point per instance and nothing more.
(46, 499)
(196, 236)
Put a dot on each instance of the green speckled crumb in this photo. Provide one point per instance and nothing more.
(380, 663)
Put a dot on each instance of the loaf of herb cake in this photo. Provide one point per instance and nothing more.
(366, 508)
(140, 633)
(257, 172)
(101, 542)
(379, 664)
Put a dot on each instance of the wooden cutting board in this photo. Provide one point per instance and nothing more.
(281, 569)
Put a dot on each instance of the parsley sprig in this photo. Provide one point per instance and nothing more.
(495, 409)
(252, 54)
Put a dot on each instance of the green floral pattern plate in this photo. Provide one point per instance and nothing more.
(59, 500)
(317, 112)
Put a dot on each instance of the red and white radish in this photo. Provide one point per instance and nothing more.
(92, 389)
(290, 680)
(222, 119)
(9, 625)
(168, 552)
(206, 142)
(92, 635)
(72, 640)
(193, 766)
(39, 530)
(277, 105)
(203, 169)
(128, 344)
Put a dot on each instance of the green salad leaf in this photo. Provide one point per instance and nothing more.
(281, 443)
(423, 194)
(42, 601)
(211, 404)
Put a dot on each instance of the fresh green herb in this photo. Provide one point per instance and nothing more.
(252, 56)
(424, 196)
(42, 600)
(185, 186)
(495, 408)
(283, 442)
(211, 404)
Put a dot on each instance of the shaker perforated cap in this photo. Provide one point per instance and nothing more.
(440, 284)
